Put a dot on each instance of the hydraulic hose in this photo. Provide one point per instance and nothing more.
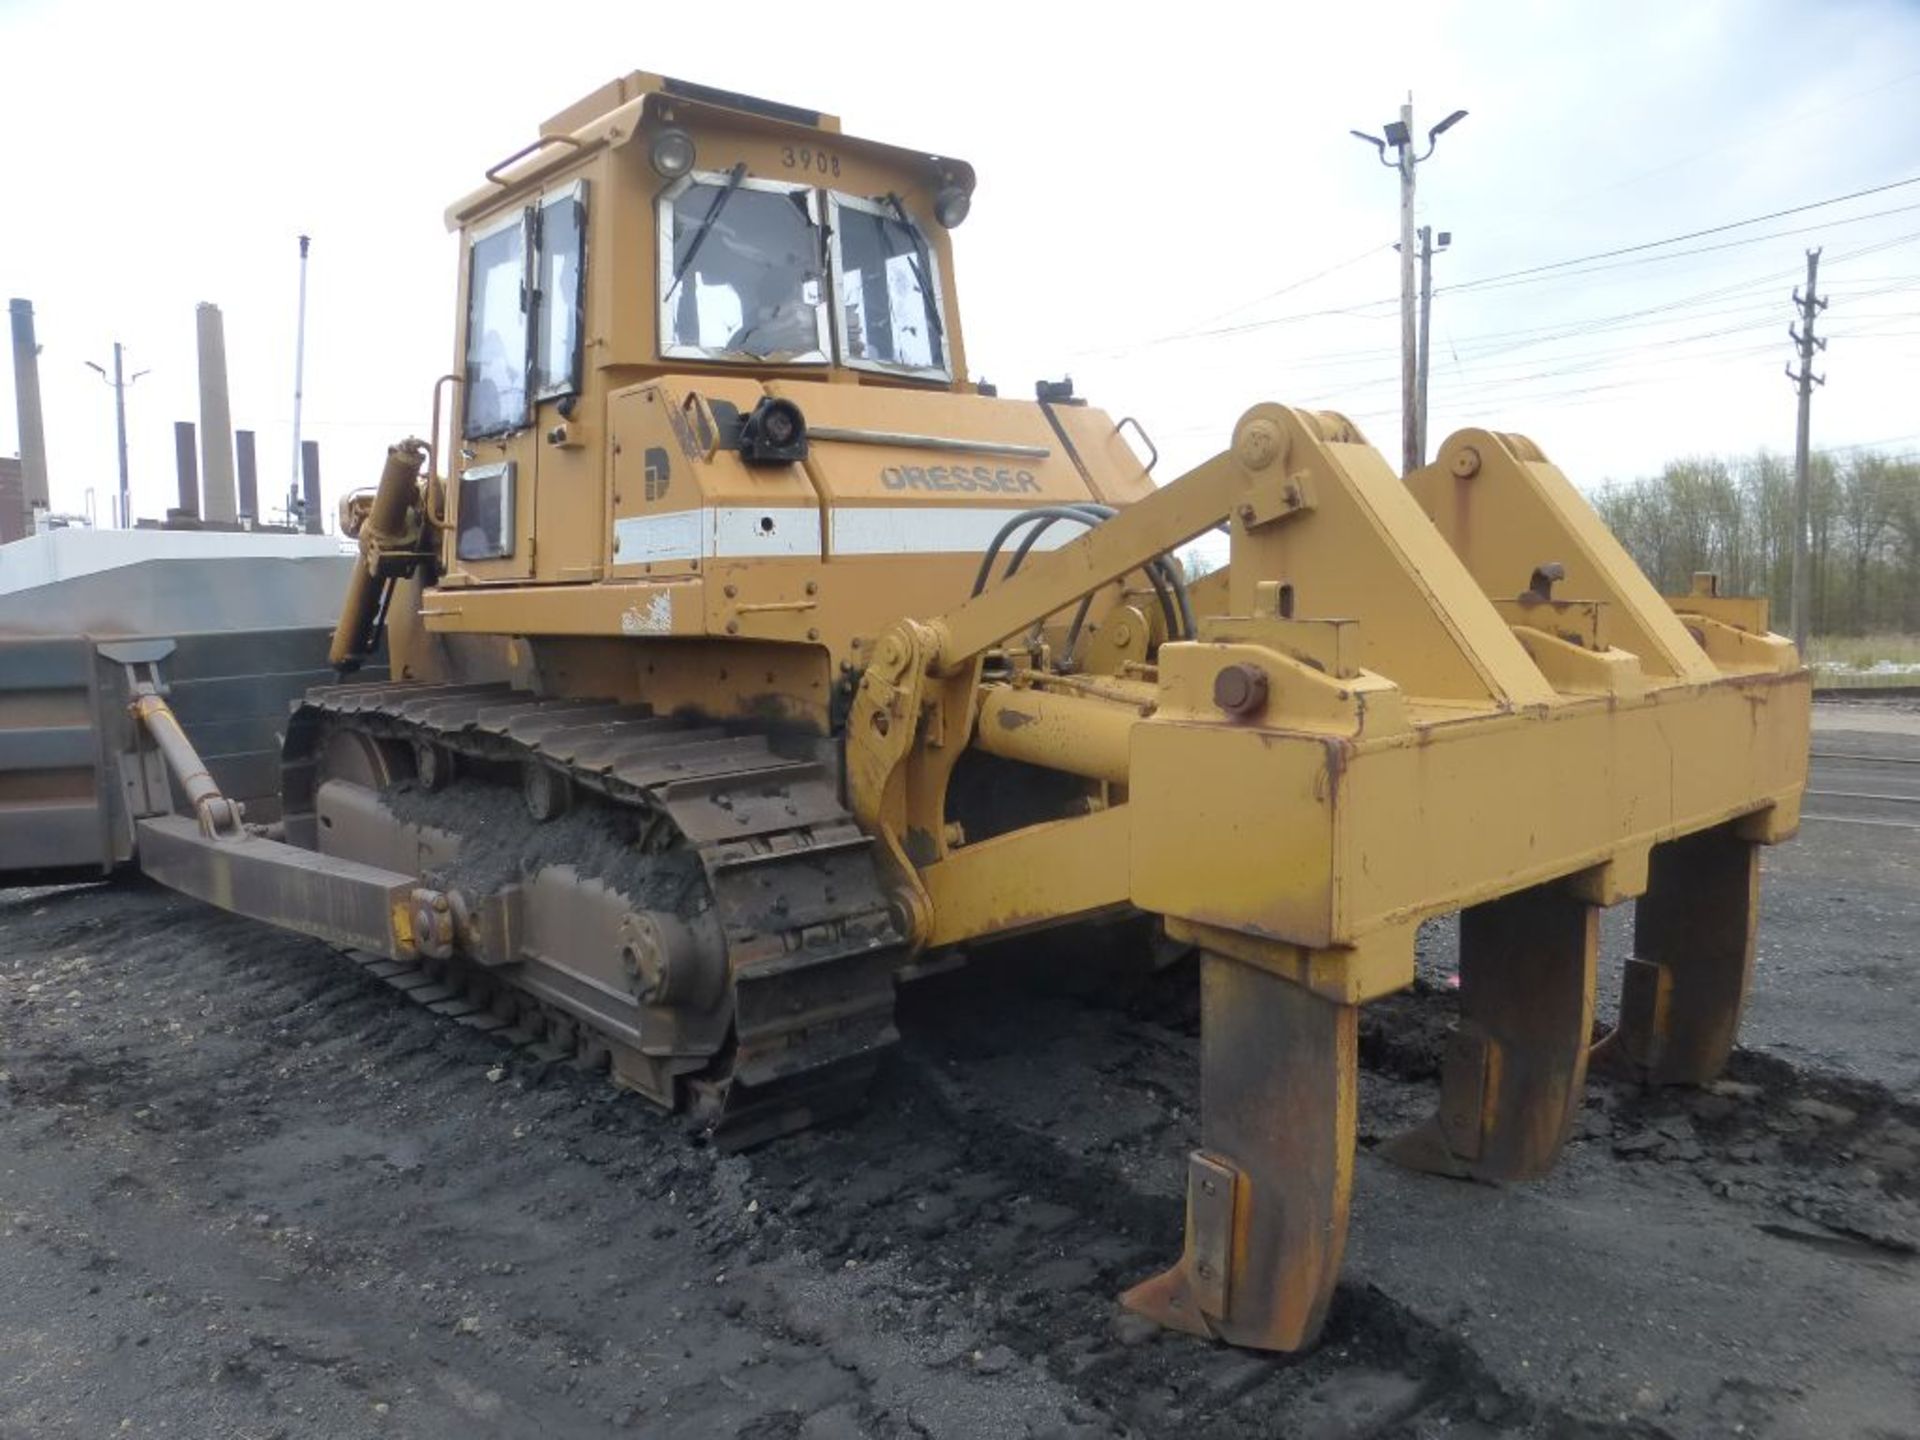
(1163, 574)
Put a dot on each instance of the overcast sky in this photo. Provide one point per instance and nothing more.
(1160, 190)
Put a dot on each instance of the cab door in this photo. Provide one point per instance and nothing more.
(493, 512)
(570, 497)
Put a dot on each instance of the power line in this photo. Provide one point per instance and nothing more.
(1698, 234)
(1357, 309)
(1765, 320)
(1377, 309)
(1476, 369)
(1663, 311)
(1511, 388)
(1301, 283)
(1532, 277)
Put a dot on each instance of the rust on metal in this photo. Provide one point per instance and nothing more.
(1693, 939)
(1278, 1069)
(1514, 1074)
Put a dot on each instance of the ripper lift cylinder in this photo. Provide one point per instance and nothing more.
(1089, 738)
(386, 530)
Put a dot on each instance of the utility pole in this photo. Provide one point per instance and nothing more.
(1429, 243)
(1399, 134)
(1809, 306)
(1411, 456)
(119, 385)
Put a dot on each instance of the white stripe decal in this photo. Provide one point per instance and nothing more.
(750, 531)
(759, 532)
(650, 539)
(931, 529)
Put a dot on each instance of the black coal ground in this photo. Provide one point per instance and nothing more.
(247, 1191)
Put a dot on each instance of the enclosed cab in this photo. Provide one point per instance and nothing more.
(712, 383)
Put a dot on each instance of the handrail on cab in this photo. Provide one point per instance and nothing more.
(493, 171)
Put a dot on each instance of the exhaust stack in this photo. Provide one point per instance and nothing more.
(33, 434)
(312, 521)
(245, 459)
(184, 462)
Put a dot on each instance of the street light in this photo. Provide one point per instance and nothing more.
(1398, 134)
(119, 387)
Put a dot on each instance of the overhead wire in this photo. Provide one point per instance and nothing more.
(1384, 305)
(1645, 245)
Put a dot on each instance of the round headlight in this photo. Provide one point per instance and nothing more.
(950, 206)
(672, 153)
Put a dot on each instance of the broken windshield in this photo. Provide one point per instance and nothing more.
(740, 272)
(886, 288)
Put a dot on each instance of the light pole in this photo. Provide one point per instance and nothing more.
(119, 387)
(1399, 135)
(299, 373)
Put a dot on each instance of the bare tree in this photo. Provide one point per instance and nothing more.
(1735, 517)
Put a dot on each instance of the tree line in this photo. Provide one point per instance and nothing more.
(1735, 517)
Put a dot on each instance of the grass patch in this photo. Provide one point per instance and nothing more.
(1864, 660)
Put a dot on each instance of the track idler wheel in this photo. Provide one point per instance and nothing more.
(1693, 942)
(672, 960)
(1515, 1069)
(1267, 1192)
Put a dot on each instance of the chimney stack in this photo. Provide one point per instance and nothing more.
(33, 434)
(183, 459)
(244, 462)
(316, 523)
(216, 420)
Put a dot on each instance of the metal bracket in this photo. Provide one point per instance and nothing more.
(131, 655)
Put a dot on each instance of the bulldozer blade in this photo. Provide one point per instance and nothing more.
(1515, 1067)
(1693, 940)
(1268, 1191)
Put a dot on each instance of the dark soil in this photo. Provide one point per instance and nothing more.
(248, 1191)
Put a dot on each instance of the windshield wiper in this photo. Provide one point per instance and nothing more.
(921, 269)
(734, 177)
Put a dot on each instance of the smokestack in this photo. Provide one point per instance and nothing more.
(26, 390)
(310, 482)
(216, 419)
(249, 477)
(183, 459)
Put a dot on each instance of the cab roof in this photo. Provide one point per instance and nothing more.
(620, 110)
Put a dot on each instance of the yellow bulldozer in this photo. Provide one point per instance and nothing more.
(746, 658)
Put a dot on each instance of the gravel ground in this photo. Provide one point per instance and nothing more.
(246, 1191)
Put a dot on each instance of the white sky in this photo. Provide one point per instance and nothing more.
(1145, 173)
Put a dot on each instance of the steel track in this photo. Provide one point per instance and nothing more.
(811, 945)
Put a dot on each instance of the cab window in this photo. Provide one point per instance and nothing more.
(561, 295)
(526, 296)
(497, 330)
(886, 287)
(741, 277)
